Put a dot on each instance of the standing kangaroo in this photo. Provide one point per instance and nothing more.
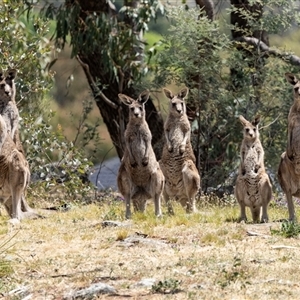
(253, 187)
(139, 177)
(14, 168)
(182, 179)
(8, 107)
(289, 166)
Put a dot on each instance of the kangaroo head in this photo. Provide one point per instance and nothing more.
(176, 102)
(250, 128)
(136, 107)
(293, 80)
(7, 85)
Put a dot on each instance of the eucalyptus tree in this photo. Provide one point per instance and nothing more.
(109, 44)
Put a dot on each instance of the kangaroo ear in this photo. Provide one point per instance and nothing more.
(183, 93)
(243, 120)
(125, 99)
(256, 120)
(11, 74)
(143, 97)
(168, 93)
(291, 78)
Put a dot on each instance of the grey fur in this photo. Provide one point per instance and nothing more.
(182, 179)
(253, 187)
(139, 177)
(14, 168)
(8, 107)
(289, 167)
(14, 178)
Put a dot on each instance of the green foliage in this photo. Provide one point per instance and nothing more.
(199, 55)
(235, 272)
(278, 16)
(116, 38)
(25, 46)
(153, 45)
(167, 286)
(115, 211)
(6, 268)
(52, 158)
(287, 230)
(61, 161)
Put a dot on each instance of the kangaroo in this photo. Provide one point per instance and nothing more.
(8, 107)
(14, 168)
(289, 166)
(14, 178)
(3, 132)
(139, 177)
(253, 187)
(182, 179)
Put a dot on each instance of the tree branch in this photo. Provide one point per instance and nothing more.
(270, 123)
(94, 86)
(293, 59)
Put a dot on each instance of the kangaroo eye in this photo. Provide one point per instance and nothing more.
(173, 104)
(132, 108)
(254, 129)
(247, 129)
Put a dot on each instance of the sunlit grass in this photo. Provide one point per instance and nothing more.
(208, 246)
(6, 268)
(122, 235)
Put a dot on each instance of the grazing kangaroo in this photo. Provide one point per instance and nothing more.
(14, 169)
(289, 166)
(182, 179)
(139, 177)
(253, 187)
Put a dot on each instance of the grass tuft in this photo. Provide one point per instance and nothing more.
(6, 268)
(287, 230)
(122, 235)
(167, 286)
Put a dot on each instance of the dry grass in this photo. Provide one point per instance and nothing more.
(200, 256)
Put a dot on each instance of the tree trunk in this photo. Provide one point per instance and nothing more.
(208, 7)
(114, 114)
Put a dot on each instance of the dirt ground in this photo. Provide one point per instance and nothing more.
(207, 255)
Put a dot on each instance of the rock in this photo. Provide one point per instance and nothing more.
(108, 223)
(21, 292)
(91, 291)
(146, 282)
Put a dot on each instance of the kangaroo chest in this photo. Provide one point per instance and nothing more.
(10, 114)
(138, 141)
(294, 142)
(176, 136)
(251, 159)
